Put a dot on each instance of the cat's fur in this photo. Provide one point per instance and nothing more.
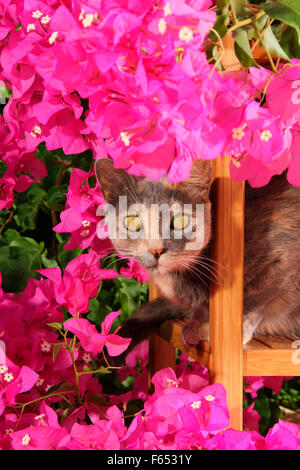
(272, 255)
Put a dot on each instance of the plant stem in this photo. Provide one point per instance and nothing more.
(246, 22)
(7, 220)
(74, 366)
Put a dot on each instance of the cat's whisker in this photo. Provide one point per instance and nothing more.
(215, 278)
(112, 261)
(193, 268)
(201, 260)
(213, 261)
(186, 265)
(216, 273)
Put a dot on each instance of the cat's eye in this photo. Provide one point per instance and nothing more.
(133, 223)
(180, 221)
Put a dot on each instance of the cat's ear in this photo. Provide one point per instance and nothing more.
(114, 182)
(198, 183)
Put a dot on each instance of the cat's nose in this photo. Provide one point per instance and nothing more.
(157, 252)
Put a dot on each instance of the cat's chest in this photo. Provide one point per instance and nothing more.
(169, 288)
(165, 283)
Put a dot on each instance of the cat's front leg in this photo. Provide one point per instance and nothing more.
(251, 321)
(197, 328)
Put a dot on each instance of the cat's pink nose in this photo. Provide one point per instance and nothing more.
(156, 252)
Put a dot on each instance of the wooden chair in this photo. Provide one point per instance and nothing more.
(224, 354)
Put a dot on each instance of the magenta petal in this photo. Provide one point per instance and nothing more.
(116, 344)
(108, 321)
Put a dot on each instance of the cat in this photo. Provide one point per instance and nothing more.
(182, 267)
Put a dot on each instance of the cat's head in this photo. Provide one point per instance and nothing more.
(164, 226)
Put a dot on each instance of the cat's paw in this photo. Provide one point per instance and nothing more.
(191, 333)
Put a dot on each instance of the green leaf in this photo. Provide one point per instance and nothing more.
(287, 11)
(56, 196)
(242, 48)
(97, 311)
(48, 263)
(240, 11)
(223, 3)
(9, 235)
(56, 348)
(26, 216)
(56, 325)
(290, 42)
(273, 45)
(60, 386)
(19, 261)
(220, 26)
(36, 194)
(15, 271)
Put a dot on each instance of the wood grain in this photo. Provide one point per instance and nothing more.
(226, 301)
(162, 353)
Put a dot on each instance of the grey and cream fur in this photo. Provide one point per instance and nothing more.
(272, 254)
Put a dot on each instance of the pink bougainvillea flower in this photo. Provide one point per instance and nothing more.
(251, 418)
(7, 186)
(135, 270)
(80, 215)
(92, 341)
(284, 436)
(79, 282)
(231, 439)
(283, 94)
(102, 434)
(13, 381)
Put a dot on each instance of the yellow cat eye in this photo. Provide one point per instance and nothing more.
(180, 221)
(133, 223)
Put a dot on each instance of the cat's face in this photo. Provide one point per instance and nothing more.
(163, 227)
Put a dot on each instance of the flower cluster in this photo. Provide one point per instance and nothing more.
(128, 80)
(265, 138)
(132, 81)
(42, 410)
(51, 398)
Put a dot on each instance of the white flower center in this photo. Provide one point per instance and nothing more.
(88, 20)
(46, 19)
(53, 37)
(171, 383)
(238, 132)
(209, 398)
(235, 162)
(40, 382)
(162, 26)
(125, 138)
(8, 377)
(186, 34)
(30, 27)
(37, 14)
(86, 223)
(196, 404)
(265, 135)
(45, 346)
(82, 13)
(37, 130)
(41, 418)
(26, 440)
(87, 358)
(167, 9)
(3, 369)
